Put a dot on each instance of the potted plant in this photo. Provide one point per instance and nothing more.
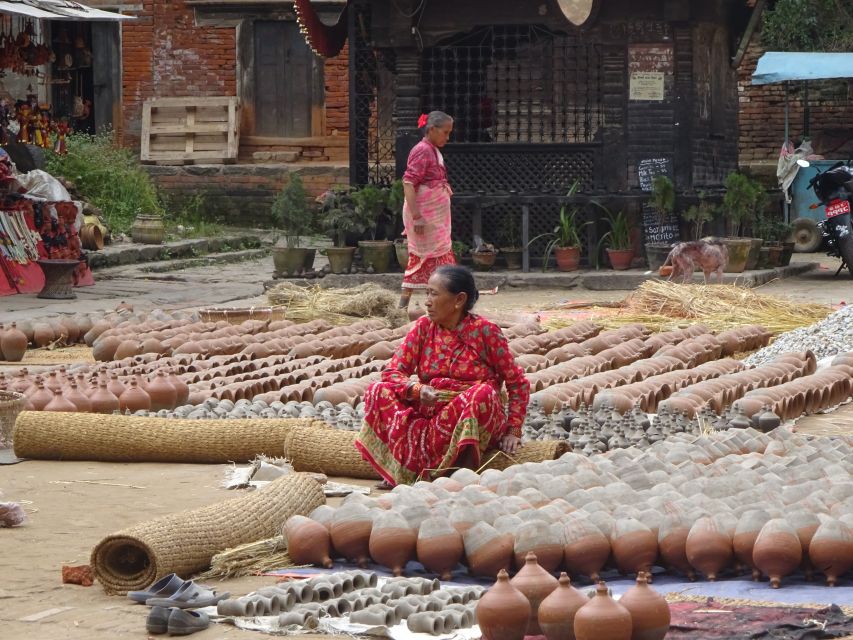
(396, 199)
(290, 213)
(510, 236)
(460, 250)
(738, 205)
(370, 202)
(618, 240)
(663, 202)
(483, 255)
(339, 218)
(697, 215)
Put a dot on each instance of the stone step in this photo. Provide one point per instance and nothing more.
(167, 266)
(132, 253)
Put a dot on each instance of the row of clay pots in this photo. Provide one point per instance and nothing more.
(544, 342)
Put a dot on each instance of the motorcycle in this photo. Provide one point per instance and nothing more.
(834, 191)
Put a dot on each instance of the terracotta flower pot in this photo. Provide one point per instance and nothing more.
(620, 259)
(568, 258)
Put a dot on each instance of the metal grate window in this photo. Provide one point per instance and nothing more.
(516, 84)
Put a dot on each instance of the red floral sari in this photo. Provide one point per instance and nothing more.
(404, 440)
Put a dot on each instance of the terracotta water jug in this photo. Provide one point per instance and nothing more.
(103, 400)
(163, 394)
(13, 344)
(536, 584)
(503, 612)
(747, 530)
(115, 385)
(59, 403)
(350, 531)
(672, 545)
(78, 398)
(439, 546)
(181, 388)
(546, 541)
(649, 611)
(635, 546)
(831, 549)
(134, 399)
(308, 541)
(777, 551)
(586, 548)
(557, 611)
(104, 348)
(602, 618)
(709, 548)
(487, 550)
(22, 381)
(40, 397)
(43, 334)
(392, 541)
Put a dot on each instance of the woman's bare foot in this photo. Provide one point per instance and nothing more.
(384, 485)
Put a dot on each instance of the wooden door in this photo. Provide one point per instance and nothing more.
(106, 70)
(284, 80)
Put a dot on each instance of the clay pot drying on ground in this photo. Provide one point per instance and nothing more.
(350, 531)
(439, 546)
(163, 394)
(709, 548)
(392, 541)
(747, 530)
(557, 612)
(503, 613)
(134, 398)
(308, 541)
(115, 386)
(635, 546)
(43, 334)
(831, 550)
(103, 400)
(78, 398)
(650, 615)
(13, 344)
(105, 348)
(777, 551)
(59, 403)
(602, 618)
(586, 549)
(181, 388)
(487, 550)
(672, 545)
(536, 584)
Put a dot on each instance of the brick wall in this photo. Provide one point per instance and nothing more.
(762, 115)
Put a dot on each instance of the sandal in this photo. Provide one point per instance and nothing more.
(189, 596)
(163, 588)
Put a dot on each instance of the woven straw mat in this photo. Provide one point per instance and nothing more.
(333, 452)
(11, 404)
(116, 438)
(185, 542)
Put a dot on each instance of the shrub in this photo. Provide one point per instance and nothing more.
(108, 176)
(290, 211)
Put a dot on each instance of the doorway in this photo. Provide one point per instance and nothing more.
(287, 78)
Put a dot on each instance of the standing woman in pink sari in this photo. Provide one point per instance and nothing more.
(426, 211)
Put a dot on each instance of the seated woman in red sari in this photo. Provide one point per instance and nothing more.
(452, 412)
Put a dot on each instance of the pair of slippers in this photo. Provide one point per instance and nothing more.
(175, 592)
(175, 621)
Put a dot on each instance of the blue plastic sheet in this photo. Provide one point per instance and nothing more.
(781, 66)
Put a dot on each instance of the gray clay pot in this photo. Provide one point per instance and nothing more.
(304, 619)
(375, 615)
(326, 591)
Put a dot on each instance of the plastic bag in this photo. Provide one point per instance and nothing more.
(40, 184)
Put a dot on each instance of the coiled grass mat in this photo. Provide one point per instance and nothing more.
(664, 306)
(185, 542)
(45, 435)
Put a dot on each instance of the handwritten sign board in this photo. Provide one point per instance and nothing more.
(650, 168)
(656, 229)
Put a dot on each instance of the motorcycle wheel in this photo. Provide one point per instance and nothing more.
(845, 248)
(805, 236)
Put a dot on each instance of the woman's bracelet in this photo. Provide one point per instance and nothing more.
(413, 391)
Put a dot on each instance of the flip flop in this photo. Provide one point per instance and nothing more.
(189, 596)
(163, 588)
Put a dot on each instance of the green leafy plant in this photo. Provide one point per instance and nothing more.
(290, 211)
(698, 214)
(619, 236)
(808, 25)
(370, 202)
(396, 199)
(737, 202)
(338, 215)
(566, 233)
(459, 249)
(510, 232)
(663, 196)
(108, 176)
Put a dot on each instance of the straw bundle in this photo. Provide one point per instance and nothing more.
(185, 542)
(251, 559)
(663, 306)
(117, 438)
(339, 306)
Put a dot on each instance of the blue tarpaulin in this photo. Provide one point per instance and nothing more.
(781, 66)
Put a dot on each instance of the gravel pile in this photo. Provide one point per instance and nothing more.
(829, 337)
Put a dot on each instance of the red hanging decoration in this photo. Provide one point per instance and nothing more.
(324, 40)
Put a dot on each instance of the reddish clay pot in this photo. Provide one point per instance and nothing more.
(105, 348)
(536, 584)
(127, 349)
(439, 546)
(602, 618)
(743, 541)
(134, 399)
(40, 397)
(831, 550)
(672, 545)
(487, 550)
(103, 400)
(392, 541)
(60, 404)
(557, 611)
(308, 542)
(163, 394)
(43, 334)
(181, 388)
(13, 344)
(650, 616)
(709, 548)
(350, 531)
(503, 612)
(635, 546)
(777, 551)
(78, 398)
(115, 386)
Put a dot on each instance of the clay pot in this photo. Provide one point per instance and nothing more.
(134, 399)
(181, 388)
(350, 531)
(43, 334)
(557, 611)
(60, 403)
(439, 546)
(747, 530)
(536, 584)
(115, 386)
(487, 550)
(308, 541)
(127, 349)
(104, 349)
(503, 612)
(831, 550)
(40, 397)
(94, 333)
(635, 546)
(777, 551)
(709, 548)
(163, 394)
(650, 616)
(392, 541)
(78, 398)
(151, 345)
(103, 400)
(602, 618)
(586, 548)
(13, 344)
(672, 545)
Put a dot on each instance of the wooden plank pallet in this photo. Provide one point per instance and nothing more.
(190, 130)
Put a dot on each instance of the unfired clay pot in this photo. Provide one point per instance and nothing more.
(13, 343)
(536, 584)
(487, 550)
(777, 551)
(831, 550)
(392, 541)
(439, 546)
(308, 541)
(350, 531)
(602, 618)
(709, 548)
(503, 613)
(557, 612)
(649, 611)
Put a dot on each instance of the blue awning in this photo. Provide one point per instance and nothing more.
(781, 66)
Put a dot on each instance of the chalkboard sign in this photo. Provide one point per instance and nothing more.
(657, 229)
(650, 168)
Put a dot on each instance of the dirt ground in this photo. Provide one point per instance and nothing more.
(72, 505)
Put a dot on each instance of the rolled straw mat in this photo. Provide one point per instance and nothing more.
(185, 542)
(333, 452)
(47, 435)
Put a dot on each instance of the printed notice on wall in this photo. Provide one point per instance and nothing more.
(646, 85)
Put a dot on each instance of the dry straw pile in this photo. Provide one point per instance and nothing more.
(339, 306)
